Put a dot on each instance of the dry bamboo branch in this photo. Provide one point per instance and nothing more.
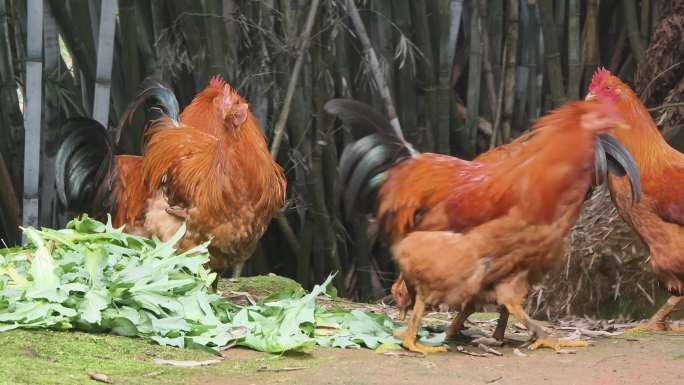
(377, 74)
(285, 109)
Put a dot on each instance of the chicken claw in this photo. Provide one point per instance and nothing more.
(650, 327)
(557, 344)
(414, 346)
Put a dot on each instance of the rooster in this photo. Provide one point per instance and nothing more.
(526, 207)
(208, 167)
(659, 218)
(377, 168)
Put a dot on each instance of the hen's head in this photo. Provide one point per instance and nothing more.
(605, 85)
(227, 103)
(402, 297)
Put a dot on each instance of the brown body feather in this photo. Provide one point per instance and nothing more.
(659, 218)
(222, 176)
(525, 207)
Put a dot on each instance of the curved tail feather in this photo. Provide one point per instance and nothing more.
(85, 169)
(163, 101)
(364, 162)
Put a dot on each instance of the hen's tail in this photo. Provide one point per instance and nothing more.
(85, 168)
(364, 162)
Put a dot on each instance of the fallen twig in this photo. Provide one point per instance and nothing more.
(186, 364)
(460, 349)
(518, 353)
(489, 350)
(290, 369)
(402, 353)
(494, 380)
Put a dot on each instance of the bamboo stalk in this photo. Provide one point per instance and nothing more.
(382, 87)
(551, 54)
(12, 120)
(426, 73)
(405, 81)
(51, 120)
(495, 37)
(511, 69)
(9, 209)
(450, 14)
(645, 25)
(574, 60)
(380, 31)
(285, 109)
(523, 74)
(533, 37)
(590, 55)
(215, 27)
(632, 27)
(474, 78)
(34, 96)
(488, 71)
(105, 56)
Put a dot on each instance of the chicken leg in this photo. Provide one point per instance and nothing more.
(542, 339)
(457, 324)
(409, 335)
(658, 322)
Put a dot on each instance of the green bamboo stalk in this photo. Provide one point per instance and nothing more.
(285, 109)
(560, 21)
(474, 78)
(632, 27)
(495, 36)
(511, 68)
(377, 72)
(523, 76)
(73, 19)
(533, 53)
(426, 72)
(380, 32)
(51, 119)
(574, 59)
(487, 65)
(405, 81)
(590, 55)
(33, 94)
(551, 53)
(105, 57)
(9, 208)
(143, 18)
(215, 32)
(645, 25)
(12, 120)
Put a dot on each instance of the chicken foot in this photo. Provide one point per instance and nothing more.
(409, 335)
(658, 322)
(542, 338)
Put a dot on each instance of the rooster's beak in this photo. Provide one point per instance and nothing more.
(589, 96)
(402, 314)
(613, 157)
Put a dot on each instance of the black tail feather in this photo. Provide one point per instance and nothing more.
(163, 101)
(84, 166)
(376, 149)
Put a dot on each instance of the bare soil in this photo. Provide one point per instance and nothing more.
(647, 359)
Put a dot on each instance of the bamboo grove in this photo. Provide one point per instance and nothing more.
(464, 75)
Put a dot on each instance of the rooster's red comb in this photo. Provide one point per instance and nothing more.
(600, 75)
(217, 82)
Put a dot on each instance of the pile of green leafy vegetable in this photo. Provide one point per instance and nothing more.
(94, 277)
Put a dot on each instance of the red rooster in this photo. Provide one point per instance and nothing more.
(376, 168)
(659, 218)
(212, 156)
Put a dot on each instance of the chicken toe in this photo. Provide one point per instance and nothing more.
(557, 344)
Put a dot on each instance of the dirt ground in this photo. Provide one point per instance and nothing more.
(646, 359)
